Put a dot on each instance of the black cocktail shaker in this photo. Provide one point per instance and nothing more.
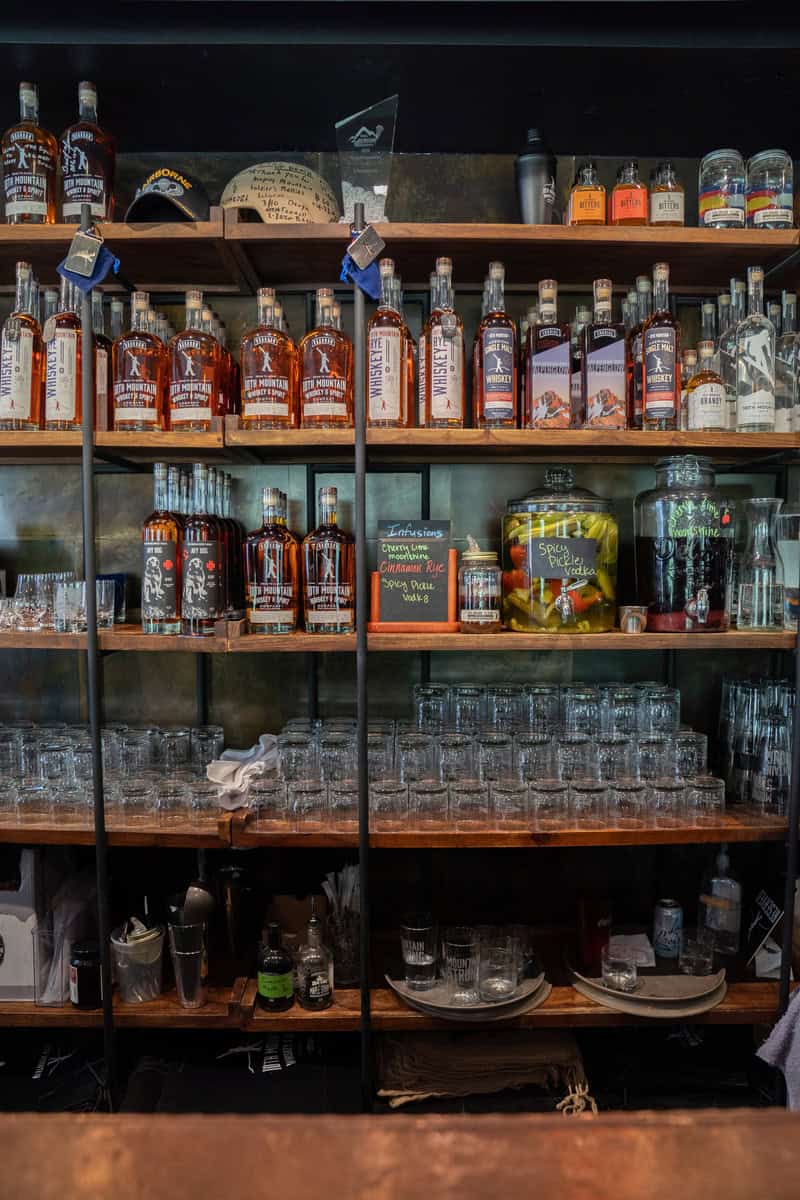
(536, 181)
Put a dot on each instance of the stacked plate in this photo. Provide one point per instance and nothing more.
(435, 1003)
(665, 997)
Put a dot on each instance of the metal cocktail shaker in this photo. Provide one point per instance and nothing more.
(536, 181)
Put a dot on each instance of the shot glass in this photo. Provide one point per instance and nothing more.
(269, 803)
(388, 805)
(619, 971)
(308, 804)
(616, 756)
(461, 953)
(427, 804)
(419, 946)
(576, 757)
(534, 755)
(588, 803)
(495, 756)
(469, 804)
(627, 803)
(498, 974)
(667, 803)
(508, 802)
(343, 803)
(705, 800)
(548, 801)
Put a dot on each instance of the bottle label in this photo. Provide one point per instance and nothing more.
(666, 207)
(271, 601)
(73, 984)
(498, 373)
(549, 388)
(201, 580)
(384, 380)
(722, 206)
(479, 616)
(707, 407)
(16, 376)
(275, 987)
(191, 395)
(587, 205)
(84, 164)
(629, 203)
(62, 376)
(756, 408)
(27, 167)
(783, 420)
(317, 986)
(322, 393)
(422, 370)
(265, 388)
(136, 400)
(159, 580)
(605, 386)
(447, 376)
(769, 207)
(659, 351)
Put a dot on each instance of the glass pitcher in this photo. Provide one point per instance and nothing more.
(760, 568)
(787, 536)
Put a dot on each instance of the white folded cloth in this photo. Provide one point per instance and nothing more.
(234, 770)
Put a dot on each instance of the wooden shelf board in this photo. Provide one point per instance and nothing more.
(292, 643)
(150, 447)
(497, 642)
(121, 637)
(186, 834)
(745, 1004)
(223, 1011)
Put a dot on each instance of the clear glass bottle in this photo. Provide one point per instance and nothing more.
(727, 348)
(202, 599)
(443, 353)
(63, 396)
(162, 537)
(548, 365)
(721, 190)
(314, 968)
(720, 909)
(329, 572)
(666, 198)
(772, 768)
(139, 370)
(770, 191)
(661, 350)
(755, 362)
(479, 591)
(272, 571)
(30, 161)
(386, 368)
(193, 371)
(587, 199)
(422, 395)
(644, 307)
(604, 363)
(628, 201)
(583, 316)
(705, 393)
(786, 364)
(409, 358)
(688, 369)
(103, 391)
(21, 359)
(494, 361)
(787, 538)
(275, 973)
(49, 304)
(118, 319)
(325, 358)
(87, 162)
(760, 573)
(268, 383)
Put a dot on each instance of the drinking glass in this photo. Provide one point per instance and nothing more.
(662, 709)
(308, 804)
(469, 804)
(8, 799)
(431, 701)
(498, 973)
(203, 802)
(616, 756)
(343, 803)
(29, 766)
(337, 755)
(509, 803)
(427, 804)
(134, 752)
(34, 802)
(760, 573)
(576, 757)
(69, 608)
(388, 805)
(495, 756)
(627, 803)
(173, 802)
(380, 753)
(667, 803)
(691, 754)
(30, 603)
(582, 710)
(769, 785)
(175, 749)
(505, 707)
(705, 800)
(297, 756)
(744, 745)
(588, 803)
(8, 614)
(206, 745)
(415, 756)
(461, 953)
(419, 946)
(55, 760)
(268, 802)
(656, 756)
(10, 744)
(73, 804)
(136, 800)
(696, 955)
(619, 971)
(542, 703)
(534, 755)
(548, 801)
(456, 756)
(620, 713)
(466, 704)
(105, 592)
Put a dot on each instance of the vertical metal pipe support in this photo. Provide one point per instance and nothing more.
(793, 816)
(362, 617)
(93, 669)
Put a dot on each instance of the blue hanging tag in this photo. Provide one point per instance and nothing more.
(104, 263)
(368, 279)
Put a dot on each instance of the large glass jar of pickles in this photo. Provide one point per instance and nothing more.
(559, 559)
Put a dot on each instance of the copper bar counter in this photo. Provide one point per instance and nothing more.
(732, 1154)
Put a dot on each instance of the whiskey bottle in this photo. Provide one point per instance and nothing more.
(329, 572)
(630, 317)
(62, 338)
(705, 392)
(118, 319)
(661, 351)
(30, 159)
(314, 968)
(193, 371)
(644, 307)
(548, 361)
(422, 419)
(755, 362)
(201, 592)
(214, 501)
(688, 369)
(443, 354)
(210, 326)
(325, 357)
(666, 198)
(21, 360)
(87, 162)
(272, 560)
(238, 534)
(587, 199)
(275, 974)
(268, 371)
(727, 347)
(49, 304)
(604, 358)
(786, 347)
(386, 365)
(162, 537)
(139, 367)
(495, 359)
(409, 357)
(103, 391)
(583, 316)
(628, 203)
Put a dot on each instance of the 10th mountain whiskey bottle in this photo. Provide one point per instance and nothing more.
(30, 156)
(202, 601)
(194, 371)
(87, 162)
(21, 360)
(272, 570)
(548, 365)
(325, 358)
(329, 572)
(139, 367)
(268, 371)
(63, 402)
(661, 352)
(604, 364)
(495, 359)
(162, 536)
(441, 355)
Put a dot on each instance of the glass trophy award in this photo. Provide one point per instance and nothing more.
(365, 142)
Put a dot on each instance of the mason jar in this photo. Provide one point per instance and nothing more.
(721, 190)
(479, 592)
(770, 195)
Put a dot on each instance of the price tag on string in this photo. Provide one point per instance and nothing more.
(88, 260)
(359, 265)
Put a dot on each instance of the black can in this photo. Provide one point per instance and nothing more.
(536, 181)
(85, 988)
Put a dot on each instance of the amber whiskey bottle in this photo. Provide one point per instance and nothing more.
(63, 406)
(604, 364)
(325, 357)
(87, 162)
(193, 371)
(30, 159)
(238, 534)
(445, 376)
(409, 357)
(495, 359)
(162, 536)
(272, 571)
(386, 367)
(139, 368)
(661, 355)
(21, 359)
(644, 307)
(329, 572)
(548, 358)
(202, 602)
(268, 358)
(103, 390)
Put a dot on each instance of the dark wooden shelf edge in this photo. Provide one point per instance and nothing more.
(224, 1011)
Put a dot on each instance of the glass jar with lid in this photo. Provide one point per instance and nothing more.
(560, 559)
(721, 190)
(479, 590)
(770, 196)
(684, 533)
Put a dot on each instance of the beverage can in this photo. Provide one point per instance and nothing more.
(667, 928)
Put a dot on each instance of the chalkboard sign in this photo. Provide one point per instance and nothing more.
(413, 566)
